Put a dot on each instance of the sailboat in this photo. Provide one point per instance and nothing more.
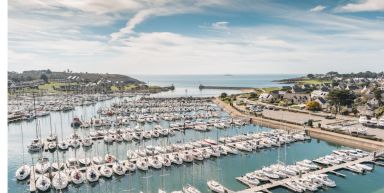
(43, 183)
(52, 137)
(60, 180)
(24, 171)
(118, 168)
(42, 165)
(76, 176)
(92, 174)
(36, 144)
(105, 171)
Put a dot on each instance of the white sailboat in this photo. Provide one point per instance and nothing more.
(43, 183)
(105, 171)
(60, 180)
(24, 171)
(92, 174)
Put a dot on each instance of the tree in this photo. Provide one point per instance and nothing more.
(380, 111)
(377, 93)
(44, 77)
(310, 76)
(338, 98)
(313, 106)
(252, 95)
(223, 95)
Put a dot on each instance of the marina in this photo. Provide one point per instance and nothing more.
(221, 133)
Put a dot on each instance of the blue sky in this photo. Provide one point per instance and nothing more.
(197, 37)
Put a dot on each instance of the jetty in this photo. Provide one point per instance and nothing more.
(201, 87)
(330, 169)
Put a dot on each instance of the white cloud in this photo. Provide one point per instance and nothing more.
(317, 8)
(220, 25)
(362, 6)
(56, 35)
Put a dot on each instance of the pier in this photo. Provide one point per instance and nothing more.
(201, 87)
(330, 169)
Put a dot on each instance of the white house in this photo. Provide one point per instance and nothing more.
(318, 93)
(265, 97)
(297, 98)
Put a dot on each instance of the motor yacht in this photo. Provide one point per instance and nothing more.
(190, 189)
(215, 186)
(36, 145)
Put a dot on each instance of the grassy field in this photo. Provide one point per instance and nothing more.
(270, 89)
(50, 86)
(314, 81)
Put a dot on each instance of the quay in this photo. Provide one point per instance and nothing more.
(347, 140)
(330, 169)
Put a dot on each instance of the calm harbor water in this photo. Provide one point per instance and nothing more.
(223, 169)
(189, 84)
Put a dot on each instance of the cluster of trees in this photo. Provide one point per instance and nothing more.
(366, 74)
(340, 98)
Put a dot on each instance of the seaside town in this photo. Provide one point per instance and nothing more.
(193, 96)
(117, 128)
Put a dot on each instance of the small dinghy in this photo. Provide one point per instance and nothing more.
(23, 172)
(43, 183)
(60, 181)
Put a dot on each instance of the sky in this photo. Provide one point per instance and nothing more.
(196, 36)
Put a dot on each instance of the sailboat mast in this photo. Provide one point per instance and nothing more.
(34, 108)
(22, 140)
